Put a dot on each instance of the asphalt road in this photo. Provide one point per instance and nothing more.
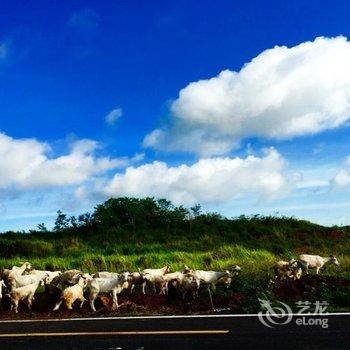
(177, 332)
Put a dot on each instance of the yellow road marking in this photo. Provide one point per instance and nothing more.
(61, 334)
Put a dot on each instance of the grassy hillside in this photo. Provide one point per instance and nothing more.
(128, 233)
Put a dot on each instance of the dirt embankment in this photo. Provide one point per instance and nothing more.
(154, 304)
(137, 304)
(306, 287)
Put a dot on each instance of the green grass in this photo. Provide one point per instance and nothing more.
(253, 281)
(252, 260)
(110, 240)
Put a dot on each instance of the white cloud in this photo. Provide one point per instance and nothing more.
(341, 179)
(113, 116)
(211, 180)
(282, 93)
(24, 164)
(123, 162)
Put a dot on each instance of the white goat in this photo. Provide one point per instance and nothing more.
(227, 280)
(2, 285)
(47, 276)
(174, 277)
(107, 285)
(22, 293)
(158, 272)
(71, 294)
(316, 262)
(210, 278)
(136, 278)
(105, 274)
(32, 277)
(65, 278)
(17, 271)
(76, 278)
(285, 269)
(297, 272)
(189, 284)
(154, 281)
(23, 280)
(151, 275)
(62, 280)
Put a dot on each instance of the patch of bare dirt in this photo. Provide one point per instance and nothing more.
(173, 304)
(306, 286)
(134, 304)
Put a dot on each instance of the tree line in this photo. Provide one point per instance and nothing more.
(160, 217)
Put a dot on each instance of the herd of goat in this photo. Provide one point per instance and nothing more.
(21, 283)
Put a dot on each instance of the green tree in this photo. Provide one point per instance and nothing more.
(61, 222)
(73, 221)
(196, 210)
(85, 220)
(42, 227)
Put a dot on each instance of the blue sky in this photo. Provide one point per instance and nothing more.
(108, 98)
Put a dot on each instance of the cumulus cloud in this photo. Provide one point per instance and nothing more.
(25, 164)
(113, 116)
(342, 177)
(282, 93)
(210, 180)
